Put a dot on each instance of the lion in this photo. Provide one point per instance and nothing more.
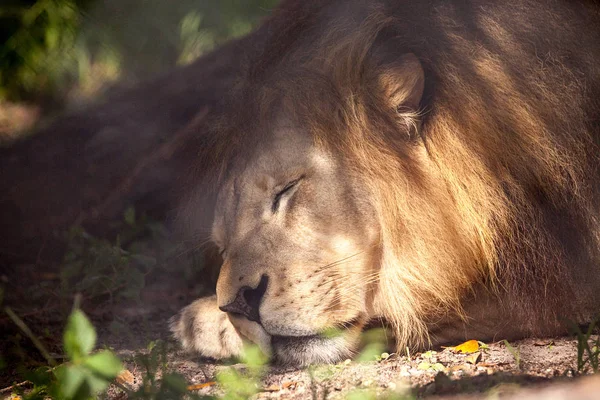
(430, 166)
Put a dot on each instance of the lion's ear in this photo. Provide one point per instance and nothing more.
(401, 81)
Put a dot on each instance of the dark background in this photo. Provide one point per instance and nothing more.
(100, 100)
(61, 53)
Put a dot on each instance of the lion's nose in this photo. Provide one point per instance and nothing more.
(247, 300)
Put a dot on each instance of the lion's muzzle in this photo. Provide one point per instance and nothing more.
(247, 301)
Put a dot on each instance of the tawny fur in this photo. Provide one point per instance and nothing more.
(489, 184)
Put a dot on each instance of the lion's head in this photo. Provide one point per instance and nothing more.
(299, 240)
(368, 173)
(296, 219)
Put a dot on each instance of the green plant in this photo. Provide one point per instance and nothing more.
(430, 362)
(242, 384)
(375, 344)
(158, 380)
(362, 394)
(98, 267)
(87, 375)
(35, 45)
(372, 394)
(588, 348)
(74, 48)
(83, 375)
(516, 353)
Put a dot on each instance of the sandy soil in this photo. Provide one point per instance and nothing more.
(545, 367)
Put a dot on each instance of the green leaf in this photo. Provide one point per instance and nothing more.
(41, 376)
(152, 345)
(370, 352)
(176, 383)
(424, 366)
(80, 336)
(438, 367)
(427, 366)
(483, 346)
(70, 378)
(135, 280)
(105, 364)
(361, 395)
(254, 357)
(96, 384)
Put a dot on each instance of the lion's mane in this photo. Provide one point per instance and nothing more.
(509, 119)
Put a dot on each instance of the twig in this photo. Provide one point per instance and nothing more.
(16, 385)
(516, 353)
(19, 322)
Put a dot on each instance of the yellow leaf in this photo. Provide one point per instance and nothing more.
(470, 346)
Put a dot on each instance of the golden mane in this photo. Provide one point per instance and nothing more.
(510, 199)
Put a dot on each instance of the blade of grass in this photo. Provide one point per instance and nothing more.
(19, 322)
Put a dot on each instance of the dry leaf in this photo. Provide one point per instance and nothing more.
(459, 367)
(470, 346)
(201, 385)
(125, 377)
(542, 343)
(473, 358)
(277, 388)
(272, 388)
(290, 385)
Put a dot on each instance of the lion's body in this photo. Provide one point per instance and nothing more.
(463, 134)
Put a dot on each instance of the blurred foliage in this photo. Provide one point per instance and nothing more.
(243, 384)
(82, 375)
(56, 49)
(588, 346)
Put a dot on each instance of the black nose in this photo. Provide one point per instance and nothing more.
(247, 301)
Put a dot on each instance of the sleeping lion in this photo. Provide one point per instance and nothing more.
(430, 165)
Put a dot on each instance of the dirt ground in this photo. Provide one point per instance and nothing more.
(531, 368)
(545, 369)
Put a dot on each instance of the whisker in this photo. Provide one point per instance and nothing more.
(335, 263)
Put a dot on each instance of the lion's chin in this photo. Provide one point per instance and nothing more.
(301, 351)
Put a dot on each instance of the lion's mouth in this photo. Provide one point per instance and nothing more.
(298, 347)
(330, 346)
(298, 340)
(313, 349)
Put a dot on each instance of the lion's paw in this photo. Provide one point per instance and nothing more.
(203, 328)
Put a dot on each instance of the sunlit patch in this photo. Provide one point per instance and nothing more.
(343, 245)
(322, 160)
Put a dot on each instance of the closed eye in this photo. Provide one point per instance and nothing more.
(286, 189)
